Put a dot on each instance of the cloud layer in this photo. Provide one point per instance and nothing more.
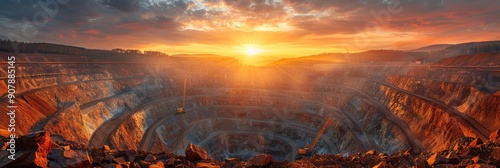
(196, 26)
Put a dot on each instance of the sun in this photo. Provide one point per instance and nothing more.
(252, 50)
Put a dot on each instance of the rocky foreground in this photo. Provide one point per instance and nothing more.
(39, 150)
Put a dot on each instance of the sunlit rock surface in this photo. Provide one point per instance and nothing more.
(234, 110)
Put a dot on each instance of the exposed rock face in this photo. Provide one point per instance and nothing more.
(72, 155)
(59, 157)
(437, 159)
(453, 157)
(495, 135)
(194, 153)
(232, 113)
(476, 142)
(33, 149)
(260, 160)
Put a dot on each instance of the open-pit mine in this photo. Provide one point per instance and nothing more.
(81, 110)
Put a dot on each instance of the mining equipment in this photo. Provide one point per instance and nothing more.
(308, 149)
(181, 110)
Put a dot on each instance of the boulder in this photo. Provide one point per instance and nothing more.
(154, 166)
(158, 164)
(126, 165)
(69, 158)
(436, 159)
(232, 162)
(480, 166)
(453, 157)
(470, 151)
(134, 165)
(371, 152)
(382, 164)
(420, 163)
(119, 160)
(206, 165)
(106, 148)
(260, 160)
(109, 158)
(170, 162)
(131, 154)
(495, 155)
(404, 163)
(32, 150)
(112, 165)
(495, 135)
(144, 163)
(476, 159)
(194, 153)
(150, 158)
(476, 142)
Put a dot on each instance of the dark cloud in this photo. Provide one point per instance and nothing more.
(137, 22)
(123, 5)
(16, 10)
(327, 26)
(76, 11)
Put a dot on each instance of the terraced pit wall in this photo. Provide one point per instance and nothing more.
(239, 111)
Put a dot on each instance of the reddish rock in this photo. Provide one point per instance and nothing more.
(232, 162)
(420, 163)
(476, 159)
(125, 165)
(495, 135)
(134, 165)
(457, 147)
(144, 164)
(131, 154)
(476, 142)
(5, 145)
(109, 158)
(106, 148)
(404, 163)
(170, 162)
(32, 150)
(495, 155)
(470, 151)
(150, 158)
(436, 159)
(206, 165)
(480, 166)
(260, 160)
(154, 166)
(380, 155)
(66, 148)
(158, 164)
(371, 152)
(119, 160)
(194, 153)
(112, 165)
(407, 153)
(382, 164)
(182, 166)
(68, 158)
(453, 157)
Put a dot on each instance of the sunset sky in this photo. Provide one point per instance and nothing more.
(275, 28)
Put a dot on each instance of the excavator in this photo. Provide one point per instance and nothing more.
(308, 149)
(181, 110)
